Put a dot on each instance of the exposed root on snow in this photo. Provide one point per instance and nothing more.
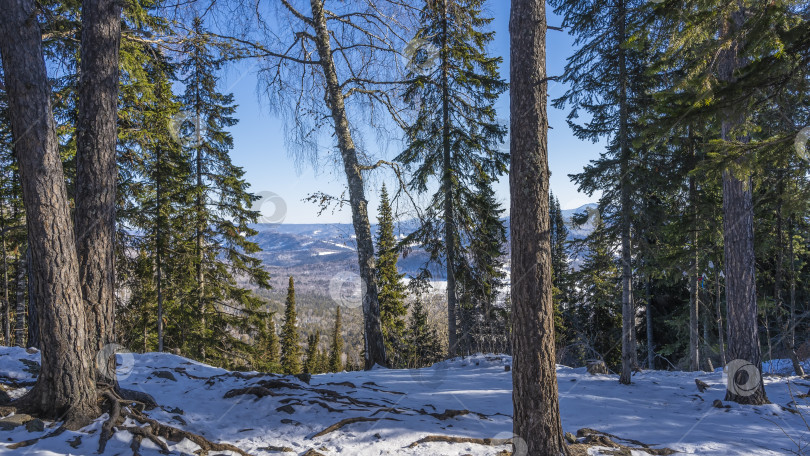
(258, 391)
(590, 438)
(30, 442)
(453, 439)
(347, 421)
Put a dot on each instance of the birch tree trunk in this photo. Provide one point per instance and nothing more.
(374, 345)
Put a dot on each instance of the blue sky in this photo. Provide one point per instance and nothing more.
(260, 147)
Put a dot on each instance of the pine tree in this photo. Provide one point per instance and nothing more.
(391, 288)
(605, 74)
(312, 363)
(336, 348)
(484, 275)
(221, 207)
(423, 343)
(456, 132)
(290, 339)
(268, 349)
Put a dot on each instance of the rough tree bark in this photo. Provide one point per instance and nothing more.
(374, 346)
(65, 389)
(745, 384)
(21, 283)
(447, 184)
(629, 357)
(535, 395)
(96, 171)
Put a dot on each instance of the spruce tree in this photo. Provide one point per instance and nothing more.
(312, 363)
(268, 348)
(423, 342)
(605, 81)
(484, 274)
(336, 348)
(455, 132)
(391, 288)
(290, 339)
(560, 273)
(220, 210)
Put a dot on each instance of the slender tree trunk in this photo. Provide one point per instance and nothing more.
(201, 222)
(694, 294)
(65, 389)
(791, 335)
(447, 188)
(33, 320)
(745, 384)
(374, 344)
(718, 299)
(535, 396)
(21, 285)
(159, 247)
(650, 342)
(97, 172)
(629, 358)
(6, 303)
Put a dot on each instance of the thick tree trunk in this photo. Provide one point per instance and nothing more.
(374, 345)
(21, 284)
(96, 171)
(745, 384)
(447, 187)
(535, 395)
(694, 294)
(629, 357)
(65, 389)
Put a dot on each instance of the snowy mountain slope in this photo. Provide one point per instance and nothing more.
(395, 408)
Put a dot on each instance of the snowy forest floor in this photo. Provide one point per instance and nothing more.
(388, 411)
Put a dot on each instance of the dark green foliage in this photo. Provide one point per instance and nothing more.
(290, 339)
(336, 347)
(423, 342)
(456, 135)
(391, 288)
(312, 363)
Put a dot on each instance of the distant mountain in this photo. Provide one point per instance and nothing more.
(330, 248)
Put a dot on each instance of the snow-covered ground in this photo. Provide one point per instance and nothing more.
(663, 409)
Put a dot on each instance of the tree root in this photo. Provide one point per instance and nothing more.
(453, 439)
(30, 442)
(347, 421)
(258, 391)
